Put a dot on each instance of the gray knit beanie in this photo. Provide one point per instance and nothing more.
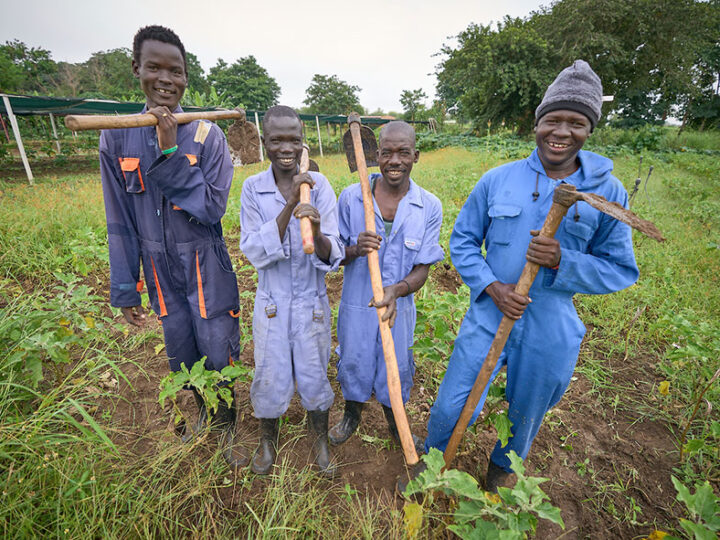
(577, 88)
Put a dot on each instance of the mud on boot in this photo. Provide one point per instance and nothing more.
(189, 432)
(413, 473)
(318, 425)
(395, 436)
(342, 431)
(267, 449)
(225, 420)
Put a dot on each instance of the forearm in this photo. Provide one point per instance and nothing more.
(351, 253)
(414, 281)
(322, 247)
(283, 218)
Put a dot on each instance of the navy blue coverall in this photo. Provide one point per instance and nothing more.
(166, 212)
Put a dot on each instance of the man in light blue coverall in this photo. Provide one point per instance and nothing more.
(407, 220)
(165, 190)
(591, 254)
(291, 321)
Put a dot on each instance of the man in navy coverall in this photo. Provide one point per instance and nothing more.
(165, 190)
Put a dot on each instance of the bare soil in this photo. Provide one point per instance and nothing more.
(608, 468)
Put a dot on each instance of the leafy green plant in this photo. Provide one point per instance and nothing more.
(704, 509)
(512, 513)
(212, 385)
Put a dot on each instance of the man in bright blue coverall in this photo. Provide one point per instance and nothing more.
(590, 254)
(165, 190)
(407, 221)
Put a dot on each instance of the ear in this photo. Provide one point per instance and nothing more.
(417, 156)
(135, 69)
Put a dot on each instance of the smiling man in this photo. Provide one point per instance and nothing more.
(291, 321)
(590, 254)
(408, 219)
(165, 190)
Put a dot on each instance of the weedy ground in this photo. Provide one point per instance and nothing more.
(87, 451)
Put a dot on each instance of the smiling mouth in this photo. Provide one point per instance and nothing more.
(558, 146)
(394, 173)
(286, 161)
(164, 91)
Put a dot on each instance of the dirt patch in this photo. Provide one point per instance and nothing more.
(608, 468)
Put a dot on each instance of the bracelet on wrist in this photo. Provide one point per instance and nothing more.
(407, 285)
(170, 150)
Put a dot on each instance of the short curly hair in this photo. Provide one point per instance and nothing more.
(158, 33)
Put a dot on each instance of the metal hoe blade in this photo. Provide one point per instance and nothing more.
(369, 145)
(621, 214)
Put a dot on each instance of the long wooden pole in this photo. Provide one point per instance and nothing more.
(305, 226)
(391, 367)
(563, 198)
(18, 139)
(104, 121)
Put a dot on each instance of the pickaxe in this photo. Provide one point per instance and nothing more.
(364, 144)
(563, 198)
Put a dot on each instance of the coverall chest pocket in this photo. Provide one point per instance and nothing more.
(579, 232)
(130, 168)
(504, 220)
(411, 248)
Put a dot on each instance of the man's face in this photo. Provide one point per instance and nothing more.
(282, 138)
(560, 135)
(161, 72)
(396, 156)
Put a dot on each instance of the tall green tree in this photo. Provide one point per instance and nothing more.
(25, 69)
(246, 82)
(196, 75)
(412, 102)
(327, 94)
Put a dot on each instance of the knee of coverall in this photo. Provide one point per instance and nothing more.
(211, 284)
(469, 352)
(357, 331)
(218, 340)
(273, 384)
(311, 353)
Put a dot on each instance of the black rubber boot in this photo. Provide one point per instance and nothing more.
(497, 477)
(225, 420)
(318, 424)
(342, 431)
(267, 449)
(392, 426)
(190, 432)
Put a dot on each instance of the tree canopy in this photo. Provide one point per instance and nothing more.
(412, 102)
(330, 95)
(657, 57)
(245, 82)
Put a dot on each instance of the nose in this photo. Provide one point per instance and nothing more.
(563, 128)
(164, 76)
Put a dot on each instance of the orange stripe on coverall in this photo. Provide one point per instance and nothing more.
(201, 296)
(161, 300)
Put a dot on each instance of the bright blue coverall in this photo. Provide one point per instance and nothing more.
(291, 321)
(540, 355)
(413, 240)
(166, 212)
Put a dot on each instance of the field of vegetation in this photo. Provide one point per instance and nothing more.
(632, 450)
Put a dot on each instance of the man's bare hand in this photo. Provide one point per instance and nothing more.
(543, 250)
(367, 242)
(310, 212)
(390, 295)
(134, 315)
(166, 128)
(510, 303)
(299, 179)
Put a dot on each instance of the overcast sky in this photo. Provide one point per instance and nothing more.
(384, 47)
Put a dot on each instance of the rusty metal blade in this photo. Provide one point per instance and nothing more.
(369, 144)
(616, 210)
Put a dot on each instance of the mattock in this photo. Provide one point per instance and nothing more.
(564, 197)
(361, 151)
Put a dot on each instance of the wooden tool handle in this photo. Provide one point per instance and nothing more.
(305, 225)
(85, 122)
(557, 211)
(391, 367)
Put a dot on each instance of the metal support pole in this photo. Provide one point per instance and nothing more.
(57, 141)
(257, 125)
(317, 124)
(18, 138)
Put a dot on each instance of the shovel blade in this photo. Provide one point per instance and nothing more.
(369, 145)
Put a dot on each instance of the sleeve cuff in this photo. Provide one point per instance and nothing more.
(337, 254)
(486, 279)
(270, 236)
(433, 255)
(124, 295)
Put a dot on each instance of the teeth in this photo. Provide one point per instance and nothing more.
(558, 145)
(163, 91)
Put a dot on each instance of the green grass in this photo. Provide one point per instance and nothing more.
(61, 476)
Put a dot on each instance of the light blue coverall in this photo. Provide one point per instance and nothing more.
(540, 355)
(413, 240)
(291, 321)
